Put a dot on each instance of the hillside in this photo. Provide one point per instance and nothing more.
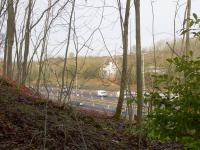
(89, 68)
(22, 124)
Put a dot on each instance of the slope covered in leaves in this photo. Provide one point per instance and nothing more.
(22, 125)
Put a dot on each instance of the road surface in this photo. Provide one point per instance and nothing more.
(87, 99)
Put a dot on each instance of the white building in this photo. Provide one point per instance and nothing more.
(158, 70)
(110, 69)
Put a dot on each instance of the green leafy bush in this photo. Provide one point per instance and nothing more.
(176, 104)
(176, 113)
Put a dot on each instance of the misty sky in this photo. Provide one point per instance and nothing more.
(164, 11)
(88, 18)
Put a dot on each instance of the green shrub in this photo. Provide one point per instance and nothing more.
(176, 113)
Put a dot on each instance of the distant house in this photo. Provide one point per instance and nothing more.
(110, 69)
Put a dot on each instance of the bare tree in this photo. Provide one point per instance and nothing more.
(123, 84)
(67, 49)
(27, 42)
(44, 43)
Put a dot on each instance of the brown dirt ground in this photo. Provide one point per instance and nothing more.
(22, 123)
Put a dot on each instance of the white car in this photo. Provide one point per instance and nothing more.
(102, 93)
(126, 94)
(77, 103)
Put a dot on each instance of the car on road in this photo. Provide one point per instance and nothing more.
(102, 93)
(77, 103)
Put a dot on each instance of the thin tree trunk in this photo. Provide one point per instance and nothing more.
(138, 64)
(153, 36)
(123, 84)
(138, 71)
(19, 51)
(9, 37)
(5, 57)
(66, 52)
(187, 44)
(27, 41)
(46, 27)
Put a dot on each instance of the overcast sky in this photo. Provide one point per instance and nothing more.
(164, 15)
(88, 17)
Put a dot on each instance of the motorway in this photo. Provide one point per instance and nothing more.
(87, 99)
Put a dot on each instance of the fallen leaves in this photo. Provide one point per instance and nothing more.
(22, 124)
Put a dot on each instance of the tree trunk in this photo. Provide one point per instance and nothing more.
(9, 39)
(123, 84)
(138, 64)
(19, 52)
(44, 43)
(66, 53)
(187, 44)
(5, 57)
(27, 41)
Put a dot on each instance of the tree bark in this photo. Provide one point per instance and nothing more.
(123, 84)
(27, 43)
(138, 64)
(9, 40)
(5, 57)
